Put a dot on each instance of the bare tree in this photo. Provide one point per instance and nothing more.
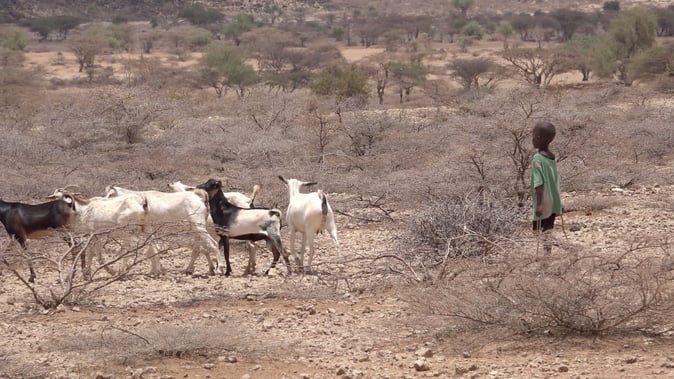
(536, 66)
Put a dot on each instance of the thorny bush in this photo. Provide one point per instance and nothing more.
(473, 225)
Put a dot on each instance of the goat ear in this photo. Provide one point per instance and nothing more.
(283, 179)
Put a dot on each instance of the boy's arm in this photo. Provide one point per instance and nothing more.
(539, 203)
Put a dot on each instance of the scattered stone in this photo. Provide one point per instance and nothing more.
(341, 371)
(245, 376)
(305, 376)
(563, 369)
(631, 360)
(575, 227)
(257, 368)
(421, 365)
(460, 370)
(424, 352)
(363, 358)
(232, 359)
(101, 375)
(466, 354)
(267, 325)
(208, 366)
(473, 367)
(667, 365)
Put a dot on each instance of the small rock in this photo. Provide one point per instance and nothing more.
(245, 376)
(267, 325)
(421, 365)
(424, 352)
(208, 366)
(631, 360)
(257, 368)
(563, 369)
(101, 375)
(232, 359)
(466, 354)
(575, 227)
(460, 370)
(341, 371)
(305, 376)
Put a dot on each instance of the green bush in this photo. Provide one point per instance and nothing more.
(199, 15)
(199, 38)
(13, 39)
(472, 29)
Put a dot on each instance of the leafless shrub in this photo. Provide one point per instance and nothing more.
(475, 225)
(568, 291)
(60, 279)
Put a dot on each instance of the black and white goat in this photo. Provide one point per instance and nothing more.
(309, 214)
(238, 199)
(30, 221)
(234, 222)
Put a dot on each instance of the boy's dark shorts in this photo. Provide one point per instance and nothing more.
(545, 224)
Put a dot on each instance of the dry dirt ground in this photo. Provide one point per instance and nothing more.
(317, 326)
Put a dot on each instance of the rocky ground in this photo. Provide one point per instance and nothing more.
(332, 324)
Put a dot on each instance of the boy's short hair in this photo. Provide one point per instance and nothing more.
(547, 130)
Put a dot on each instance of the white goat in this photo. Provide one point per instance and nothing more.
(175, 207)
(238, 199)
(98, 213)
(309, 214)
(244, 223)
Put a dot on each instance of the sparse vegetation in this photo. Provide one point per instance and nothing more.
(429, 180)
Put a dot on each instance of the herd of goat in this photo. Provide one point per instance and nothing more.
(232, 215)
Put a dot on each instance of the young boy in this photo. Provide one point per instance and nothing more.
(547, 200)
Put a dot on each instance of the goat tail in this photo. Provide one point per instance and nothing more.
(328, 221)
(256, 189)
(324, 203)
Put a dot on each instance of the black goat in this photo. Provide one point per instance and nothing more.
(244, 224)
(29, 221)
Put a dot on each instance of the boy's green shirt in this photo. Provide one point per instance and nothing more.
(544, 172)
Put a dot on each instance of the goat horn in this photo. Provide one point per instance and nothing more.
(68, 186)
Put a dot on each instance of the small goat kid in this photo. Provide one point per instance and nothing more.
(176, 207)
(309, 214)
(28, 221)
(244, 224)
